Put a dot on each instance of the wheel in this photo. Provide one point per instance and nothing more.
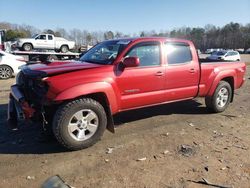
(221, 97)
(52, 58)
(5, 72)
(79, 124)
(27, 47)
(64, 49)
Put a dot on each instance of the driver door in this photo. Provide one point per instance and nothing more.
(142, 85)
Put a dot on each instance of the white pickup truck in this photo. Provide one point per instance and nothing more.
(45, 41)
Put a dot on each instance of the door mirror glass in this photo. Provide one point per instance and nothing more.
(131, 62)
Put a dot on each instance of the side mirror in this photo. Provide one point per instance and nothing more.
(131, 62)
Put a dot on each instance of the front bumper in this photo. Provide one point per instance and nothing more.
(18, 107)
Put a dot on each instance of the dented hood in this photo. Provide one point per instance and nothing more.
(59, 67)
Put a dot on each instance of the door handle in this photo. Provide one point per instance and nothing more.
(159, 73)
(192, 70)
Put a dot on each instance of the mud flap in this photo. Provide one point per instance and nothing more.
(110, 123)
(12, 114)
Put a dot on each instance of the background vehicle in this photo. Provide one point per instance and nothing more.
(45, 41)
(9, 64)
(225, 55)
(79, 98)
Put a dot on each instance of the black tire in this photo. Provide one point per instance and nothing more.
(64, 115)
(64, 48)
(212, 102)
(6, 72)
(52, 58)
(27, 47)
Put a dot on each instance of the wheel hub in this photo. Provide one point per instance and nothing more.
(83, 124)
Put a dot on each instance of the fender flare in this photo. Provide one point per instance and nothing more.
(88, 89)
(221, 76)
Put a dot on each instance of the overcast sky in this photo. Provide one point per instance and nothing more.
(127, 16)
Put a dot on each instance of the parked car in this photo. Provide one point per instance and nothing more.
(211, 50)
(77, 100)
(9, 64)
(225, 55)
(45, 41)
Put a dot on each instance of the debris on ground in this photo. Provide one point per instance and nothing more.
(191, 124)
(30, 177)
(141, 159)
(206, 168)
(165, 152)
(206, 182)
(109, 150)
(55, 181)
(241, 147)
(106, 160)
(186, 150)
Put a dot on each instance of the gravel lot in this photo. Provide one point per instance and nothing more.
(177, 144)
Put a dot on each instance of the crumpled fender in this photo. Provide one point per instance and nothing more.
(89, 88)
(220, 76)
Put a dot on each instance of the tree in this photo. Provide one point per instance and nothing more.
(108, 35)
(14, 34)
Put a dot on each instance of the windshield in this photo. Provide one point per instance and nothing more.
(220, 53)
(34, 36)
(105, 52)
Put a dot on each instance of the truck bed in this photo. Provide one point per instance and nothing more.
(213, 70)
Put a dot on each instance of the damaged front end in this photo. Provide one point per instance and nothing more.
(27, 97)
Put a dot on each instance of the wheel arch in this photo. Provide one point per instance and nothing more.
(105, 95)
(223, 76)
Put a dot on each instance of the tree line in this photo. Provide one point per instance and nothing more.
(230, 36)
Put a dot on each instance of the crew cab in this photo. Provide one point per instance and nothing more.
(45, 41)
(78, 99)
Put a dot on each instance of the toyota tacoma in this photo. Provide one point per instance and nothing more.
(77, 99)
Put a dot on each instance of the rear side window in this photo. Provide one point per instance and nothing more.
(50, 37)
(178, 53)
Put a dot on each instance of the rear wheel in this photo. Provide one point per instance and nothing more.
(27, 47)
(5, 72)
(221, 97)
(79, 124)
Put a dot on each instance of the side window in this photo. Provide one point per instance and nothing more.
(50, 37)
(178, 53)
(41, 37)
(148, 53)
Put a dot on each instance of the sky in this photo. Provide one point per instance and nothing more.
(127, 16)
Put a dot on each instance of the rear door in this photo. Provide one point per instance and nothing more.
(142, 85)
(182, 72)
(50, 42)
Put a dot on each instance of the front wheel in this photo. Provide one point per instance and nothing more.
(5, 72)
(79, 124)
(27, 47)
(219, 101)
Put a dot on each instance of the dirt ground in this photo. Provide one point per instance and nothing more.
(178, 144)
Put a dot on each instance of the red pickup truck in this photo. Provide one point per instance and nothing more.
(78, 98)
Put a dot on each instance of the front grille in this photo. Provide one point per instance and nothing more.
(34, 89)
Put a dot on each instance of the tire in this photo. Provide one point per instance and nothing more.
(220, 99)
(6, 72)
(88, 121)
(64, 49)
(27, 47)
(52, 58)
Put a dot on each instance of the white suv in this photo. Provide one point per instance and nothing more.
(225, 55)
